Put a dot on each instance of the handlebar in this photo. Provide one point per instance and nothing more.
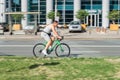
(62, 37)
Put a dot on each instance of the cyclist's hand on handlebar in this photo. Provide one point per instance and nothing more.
(59, 37)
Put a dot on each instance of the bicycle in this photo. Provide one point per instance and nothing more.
(61, 49)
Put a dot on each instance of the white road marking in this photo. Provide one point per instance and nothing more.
(16, 45)
(85, 51)
(84, 46)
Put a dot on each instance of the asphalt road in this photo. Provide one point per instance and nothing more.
(79, 48)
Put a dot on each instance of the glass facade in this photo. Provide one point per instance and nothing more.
(14, 5)
(69, 11)
(42, 9)
(64, 7)
(91, 4)
(114, 4)
(32, 7)
(37, 6)
(95, 5)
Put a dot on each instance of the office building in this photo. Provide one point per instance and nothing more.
(98, 10)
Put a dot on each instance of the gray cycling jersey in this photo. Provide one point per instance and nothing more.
(47, 29)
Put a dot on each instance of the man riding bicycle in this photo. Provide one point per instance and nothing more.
(49, 33)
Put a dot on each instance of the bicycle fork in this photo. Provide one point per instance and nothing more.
(60, 46)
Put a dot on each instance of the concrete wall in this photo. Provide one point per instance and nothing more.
(24, 8)
(77, 6)
(2, 10)
(49, 7)
(105, 12)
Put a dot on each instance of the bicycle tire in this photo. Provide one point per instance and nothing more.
(65, 47)
(37, 50)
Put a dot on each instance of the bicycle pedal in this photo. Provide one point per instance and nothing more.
(40, 51)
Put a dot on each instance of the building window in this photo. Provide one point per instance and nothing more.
(32, 7)
(42, 9)
(95, 4)
(16, 5)
(114, 4)
(68, 16)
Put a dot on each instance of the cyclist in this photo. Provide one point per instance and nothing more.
(49, 33)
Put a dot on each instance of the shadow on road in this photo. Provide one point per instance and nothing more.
(4, 54)
(45, 64)
(75, 55)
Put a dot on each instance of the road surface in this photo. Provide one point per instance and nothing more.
(79, 48)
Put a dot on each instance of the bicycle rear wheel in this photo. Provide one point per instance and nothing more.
(37, 50)
(62, 50)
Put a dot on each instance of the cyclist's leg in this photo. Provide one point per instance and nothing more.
(52, 39)
(47, 38)
(48, 44)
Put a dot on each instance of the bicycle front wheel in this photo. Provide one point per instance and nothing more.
(62, 50)
(37, 50)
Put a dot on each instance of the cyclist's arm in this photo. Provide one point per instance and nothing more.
(55, 32)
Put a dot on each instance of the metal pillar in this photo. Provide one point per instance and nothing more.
(91, 14)
(10, 24)
(95, 22)
(35, 28)
(119, 15)
(9, 18)
(39, 11)
(55, 9)
(98, 20)
(64, 12)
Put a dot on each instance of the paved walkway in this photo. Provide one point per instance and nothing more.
(75, 35)
(94, 35)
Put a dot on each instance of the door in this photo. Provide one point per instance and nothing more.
(92, 20)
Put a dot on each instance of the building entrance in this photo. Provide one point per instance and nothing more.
(93, 20)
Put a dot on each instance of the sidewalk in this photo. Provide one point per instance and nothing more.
(67, 35)
(93, 35)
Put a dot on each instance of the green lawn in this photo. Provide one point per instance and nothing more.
(22, 68)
